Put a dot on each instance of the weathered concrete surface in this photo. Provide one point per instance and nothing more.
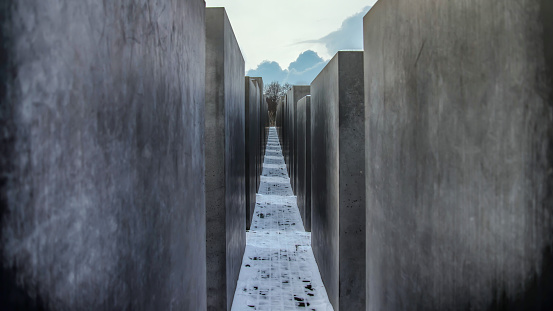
(225, 160)
(286, 133)
(252, 146)
(337, 179)
(260, 104)
(459, 155)
(296, 93)
(304, 161)
(256, 139)
(279, 120)
(265, 123)
(102, 198)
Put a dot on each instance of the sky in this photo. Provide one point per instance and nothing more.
(292, 40)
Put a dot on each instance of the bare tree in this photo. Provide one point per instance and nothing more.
(273, 91)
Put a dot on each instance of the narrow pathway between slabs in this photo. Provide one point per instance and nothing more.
(278, 271)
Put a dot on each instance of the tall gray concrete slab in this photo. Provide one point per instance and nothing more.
(279, 119)
(283, 122)
(296, 93)
(337, 179)
(285, 133)
(266, 124)
(282, 104)
(286, 130)
(288, 135)
(251, 145)
(102, 199)
(225, 160)
(459, 130)
(304, 161)
(260, 129)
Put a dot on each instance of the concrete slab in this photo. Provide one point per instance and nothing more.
(304, 161)
(337, 179)
(286, 129)
(296, 93)
(265, 123)
(279, 120)
(102, 196)
(459, 141)
(261, 108)
(252, 146)
(225, 160)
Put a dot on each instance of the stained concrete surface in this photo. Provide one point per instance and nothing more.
(296, 93)
(286, 132)
(102, 155)
(265, 125)
(337, 180)
(257, 127)
(279, 120)
(252, 145)
(459, 143)
(225, 159)
(279, 271)
(259, 162)
(304, 161)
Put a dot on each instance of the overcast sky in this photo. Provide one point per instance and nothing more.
(291, 40)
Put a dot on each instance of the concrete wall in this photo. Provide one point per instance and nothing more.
(296, 93)
(225, 160)
(280, 119)
(260, 105)
(337, 179)
(286, 133)
(304, 161)
(265, 123)
(256, 140)
(459, 154)
(252, 146)
(102, 155)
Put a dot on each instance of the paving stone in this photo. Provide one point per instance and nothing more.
(279, 271)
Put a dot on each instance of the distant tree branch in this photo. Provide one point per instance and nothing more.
(273, 91)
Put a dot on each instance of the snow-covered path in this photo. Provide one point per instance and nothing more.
(278, 271)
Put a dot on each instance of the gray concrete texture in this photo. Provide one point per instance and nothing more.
(261, 128)
(279, 122)
(296, 93)
(252, 145)
(102, 198)
(286, 133)
(304, 161)
(257, 127)
(225, 159)
(267, 127)
(286, 148)
(337, 179)
(459, 130)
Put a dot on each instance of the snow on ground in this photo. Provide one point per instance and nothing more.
(278, 271)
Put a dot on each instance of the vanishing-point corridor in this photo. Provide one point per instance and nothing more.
(279, 271)
(417, 136)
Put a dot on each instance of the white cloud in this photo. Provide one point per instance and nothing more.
(270, 29)
(307, 66)
(348, 37)
(269, 71)
(301, 71)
